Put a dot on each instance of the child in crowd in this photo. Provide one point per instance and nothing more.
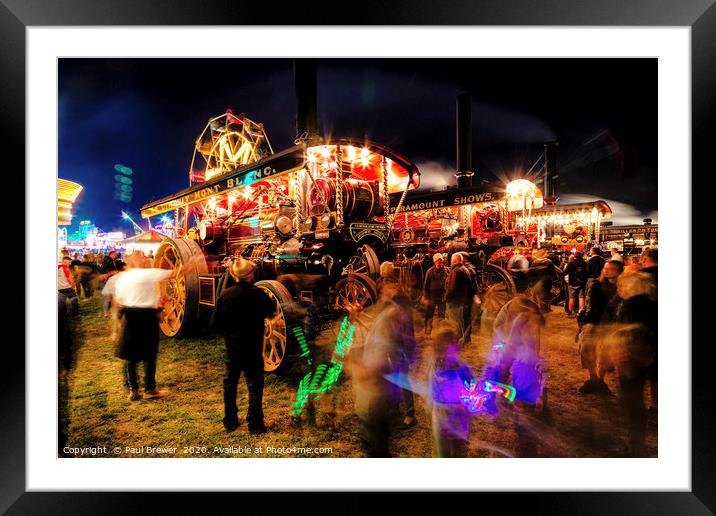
(448, 376)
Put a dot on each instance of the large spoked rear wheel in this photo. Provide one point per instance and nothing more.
(181, 291)
(365, 261)
(277, 331)
(558, 287)
(354, 290)
(412, 277)
(497, 288)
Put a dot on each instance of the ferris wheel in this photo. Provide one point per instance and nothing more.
(227, 142)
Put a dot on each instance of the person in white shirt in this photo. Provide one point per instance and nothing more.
(616, 256)
(138, 299)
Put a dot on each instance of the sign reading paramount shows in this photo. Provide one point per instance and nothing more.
(359, 231)
(276, 165)
(446, 199)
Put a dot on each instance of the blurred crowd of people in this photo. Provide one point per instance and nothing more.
(132, 300)
(615, 305)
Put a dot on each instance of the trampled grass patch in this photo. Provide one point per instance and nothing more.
(189, 418)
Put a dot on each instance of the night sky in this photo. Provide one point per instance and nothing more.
(147, 113)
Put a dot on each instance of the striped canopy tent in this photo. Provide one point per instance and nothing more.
(144, 242)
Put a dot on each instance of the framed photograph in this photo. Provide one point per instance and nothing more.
(299, 257)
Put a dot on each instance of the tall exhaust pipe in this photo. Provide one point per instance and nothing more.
(464, 174)
(549, 179)
(304, 71)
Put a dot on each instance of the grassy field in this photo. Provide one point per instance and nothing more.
(189, 418)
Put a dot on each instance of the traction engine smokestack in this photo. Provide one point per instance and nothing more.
(304, 71)
(464, 174)
(549, 180)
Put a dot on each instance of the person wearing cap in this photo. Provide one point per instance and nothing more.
(239, 316)
(434, 291)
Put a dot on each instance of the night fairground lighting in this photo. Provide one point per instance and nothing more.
(325, 375)
(67, 193)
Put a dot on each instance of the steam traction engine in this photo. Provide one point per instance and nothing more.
(478, 221)
(315, 210)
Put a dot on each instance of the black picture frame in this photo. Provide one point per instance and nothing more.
(700, 15)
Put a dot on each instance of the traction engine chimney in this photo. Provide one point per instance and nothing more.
(549, 180)
(464, 173)
(304, 71)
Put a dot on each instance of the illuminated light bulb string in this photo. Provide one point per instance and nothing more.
(325, 375)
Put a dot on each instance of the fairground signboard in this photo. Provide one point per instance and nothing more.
(445, 199)
(275, 165)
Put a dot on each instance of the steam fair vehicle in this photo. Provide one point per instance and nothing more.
(513, 235)
(311, 217)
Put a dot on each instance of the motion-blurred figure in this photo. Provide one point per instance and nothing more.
(309, 291)
(540, 273)
(87, 275)
(601, 307)
(448, 374)
(518, 266)
(137, 294)
(514, 357)
(457, 293)
(108, 292)
(68, 338)
(390, 290)
(434, 291)
(239, 316)
(371, 363)
(632, 351)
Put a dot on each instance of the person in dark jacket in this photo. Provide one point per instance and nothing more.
(601, 304)
(434, 291)
(595, 264)
(650, 262)
(239, 316)
(111, 264)
(457, 292)
(576, 271)
(470, 297)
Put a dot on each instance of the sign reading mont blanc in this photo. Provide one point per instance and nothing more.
(275, 165)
